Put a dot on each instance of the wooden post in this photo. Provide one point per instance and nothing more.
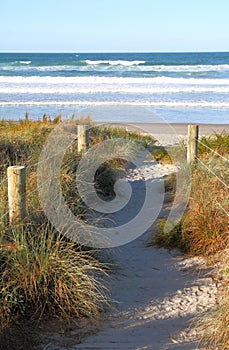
(16, 193)
(192, 150)
(83, 138)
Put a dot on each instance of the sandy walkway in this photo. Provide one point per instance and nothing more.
(155, 291)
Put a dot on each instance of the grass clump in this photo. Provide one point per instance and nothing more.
(160, 154)
(101, 133)
(216, 142)
(213, 326)
(204, 231)
(109, 171)
(205, 225)
(42, 273)
(170, 240)
(204, 228)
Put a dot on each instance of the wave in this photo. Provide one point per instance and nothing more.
(104, 66)
(114, 62)
(15, 64)
(186, 68)
(95, 80)
(147, 66)
(25, 62)
(44, 89)
(25, 66)
(171, 104)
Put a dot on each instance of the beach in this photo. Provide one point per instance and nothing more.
(114, 152)
(169, 134)
(155, 292)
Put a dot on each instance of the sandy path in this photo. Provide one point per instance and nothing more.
(155, 291)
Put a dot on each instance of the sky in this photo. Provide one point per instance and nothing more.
(114, 25)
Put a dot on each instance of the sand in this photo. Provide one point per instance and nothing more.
(155, 292)
(169, 134)
(181, 129)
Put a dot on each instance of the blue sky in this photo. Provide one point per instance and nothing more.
(114, 25)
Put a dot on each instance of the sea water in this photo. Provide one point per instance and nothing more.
(178, 87)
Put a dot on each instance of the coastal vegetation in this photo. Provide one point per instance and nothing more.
(42, 273)
(204, 231)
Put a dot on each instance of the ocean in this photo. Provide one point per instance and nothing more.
(177, 87)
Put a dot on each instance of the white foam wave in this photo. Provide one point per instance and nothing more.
(110, 89)
(114, 62)
(172, 104)
(161, 68)
(162, 80)
(25, 62)
(114, 65)
(186, 68)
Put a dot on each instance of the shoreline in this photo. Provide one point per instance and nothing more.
(164, 128)
(169, 134)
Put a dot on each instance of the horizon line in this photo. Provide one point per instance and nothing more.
(82, 52)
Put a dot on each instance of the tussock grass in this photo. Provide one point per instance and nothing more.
(42, 274)
(213, 326)
(109, 171)
(204, 230)
(205, 225)
(171, 240)
(217, 142)
(100, 133)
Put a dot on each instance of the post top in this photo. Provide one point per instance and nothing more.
(16, 167)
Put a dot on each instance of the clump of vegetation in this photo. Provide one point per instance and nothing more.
(206, 221)
(101, 133)
(204, 231)
(170, 240)
(204, 227)
(108, 172)
(216, 142)
(213, 326)
(160, 154)
(42, 273)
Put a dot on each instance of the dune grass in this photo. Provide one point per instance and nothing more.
(204, 228)
(204, 231)
(42, 274)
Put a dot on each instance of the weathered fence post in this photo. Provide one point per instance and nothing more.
(83, 138)
(192, 145)
(16, 193)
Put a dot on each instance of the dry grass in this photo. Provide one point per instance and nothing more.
(204, 230)
(213, 326)
(42, 274)
(205, 225)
